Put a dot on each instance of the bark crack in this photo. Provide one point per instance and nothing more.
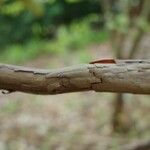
(93, 73)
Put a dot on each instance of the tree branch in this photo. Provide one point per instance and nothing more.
(127, 76)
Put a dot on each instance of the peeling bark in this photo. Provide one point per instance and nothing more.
(126, 76)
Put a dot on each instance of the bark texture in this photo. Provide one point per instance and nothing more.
(126, 76)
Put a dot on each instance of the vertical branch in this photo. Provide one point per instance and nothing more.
(118, 123)
(136, 43)
(142, 10)
(145, 14)
(120, 119)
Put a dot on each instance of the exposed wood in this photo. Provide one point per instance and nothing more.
(127, 76)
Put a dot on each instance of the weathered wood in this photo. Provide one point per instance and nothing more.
(126, 76)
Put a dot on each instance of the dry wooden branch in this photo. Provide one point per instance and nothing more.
(127, 76)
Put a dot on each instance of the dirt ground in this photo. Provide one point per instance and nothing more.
(74, 121)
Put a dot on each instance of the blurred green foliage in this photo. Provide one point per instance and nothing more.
(29, 28)
(120, 23)
(77, 36)
(24, 20)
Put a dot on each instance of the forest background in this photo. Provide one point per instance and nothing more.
(57, 33)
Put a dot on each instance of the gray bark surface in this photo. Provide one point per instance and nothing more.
(126, 76)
